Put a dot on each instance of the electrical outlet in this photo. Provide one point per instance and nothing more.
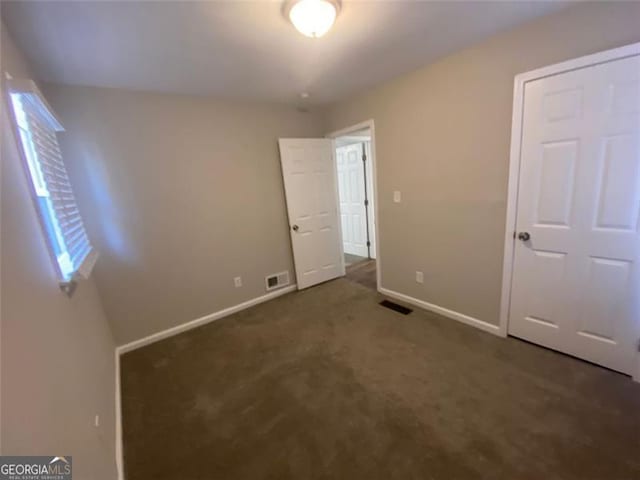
(237, 281)
(419, 277)
(397, 196)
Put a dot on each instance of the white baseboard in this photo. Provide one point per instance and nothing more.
(170, 332)
(445, 312)
(119, 456)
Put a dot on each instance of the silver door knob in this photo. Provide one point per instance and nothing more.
(295, 228)
(524, 236)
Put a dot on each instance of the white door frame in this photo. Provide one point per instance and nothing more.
(374, 172)
(514, 166)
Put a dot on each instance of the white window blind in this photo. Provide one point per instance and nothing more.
(37, 128)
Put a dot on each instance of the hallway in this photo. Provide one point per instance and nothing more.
(361, 270)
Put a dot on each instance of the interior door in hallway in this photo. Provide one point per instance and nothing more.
(576, 279)
(353, 213)
(308, 169)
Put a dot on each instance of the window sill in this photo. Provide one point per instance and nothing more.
(83, 273)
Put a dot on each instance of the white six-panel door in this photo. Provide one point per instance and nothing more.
(308, 170)
(575, 285)
(351, 185)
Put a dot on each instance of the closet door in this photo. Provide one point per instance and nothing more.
(576, 281)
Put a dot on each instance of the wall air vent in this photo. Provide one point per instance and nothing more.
(277, 280)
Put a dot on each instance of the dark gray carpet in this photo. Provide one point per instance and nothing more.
(363, 272)
(353, 259)
(326, 384)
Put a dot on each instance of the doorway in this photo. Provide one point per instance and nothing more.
(357, 204)
(313, 200)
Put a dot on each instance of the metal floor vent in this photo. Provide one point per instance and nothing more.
(395, 307)
(277, 280)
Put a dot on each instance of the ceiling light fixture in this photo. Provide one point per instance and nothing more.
(312, 18)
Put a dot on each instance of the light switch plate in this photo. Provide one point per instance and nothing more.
(397, 197)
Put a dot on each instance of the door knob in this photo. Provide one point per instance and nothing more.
(524, 236)
(295, 228)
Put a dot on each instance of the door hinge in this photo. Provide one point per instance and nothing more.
(364, 157)
(369, 244)
(366, 203)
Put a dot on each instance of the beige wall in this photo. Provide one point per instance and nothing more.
(57, 354)
(442, 139)
(180, 194)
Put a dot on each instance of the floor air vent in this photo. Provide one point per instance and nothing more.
(395, 307)
(277, 280)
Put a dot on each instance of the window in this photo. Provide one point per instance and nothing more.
(37, 128)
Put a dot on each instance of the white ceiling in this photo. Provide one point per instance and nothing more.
(246, 49)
